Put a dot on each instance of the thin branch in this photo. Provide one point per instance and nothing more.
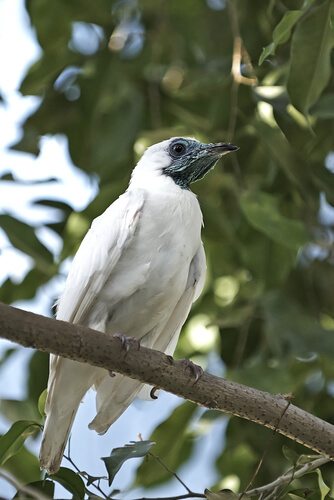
(97, 487)
(155, 368)
(287, 477)
(177, 497)
(22, 488)
(265, 452)
(165, 466)
(171, 472)
(239, 54)
(239, 51)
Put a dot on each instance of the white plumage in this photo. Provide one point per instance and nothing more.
(137, 272)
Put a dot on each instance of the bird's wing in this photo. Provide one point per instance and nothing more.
(98, 254)
(101, 249)
(167, 340)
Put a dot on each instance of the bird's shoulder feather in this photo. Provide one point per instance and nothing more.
(98, 254)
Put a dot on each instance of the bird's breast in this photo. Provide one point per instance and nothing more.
(152, 274)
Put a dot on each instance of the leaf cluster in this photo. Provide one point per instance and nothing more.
(147, 70)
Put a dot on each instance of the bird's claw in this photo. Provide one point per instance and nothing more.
(169, 358)
(196, 369)
(127, 342)
(152, 393)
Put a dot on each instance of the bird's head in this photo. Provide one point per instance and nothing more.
(184, 160)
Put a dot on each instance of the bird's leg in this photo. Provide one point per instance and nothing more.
(196, 369)
(127, 342)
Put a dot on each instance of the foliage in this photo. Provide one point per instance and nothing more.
(118, 456)
(148, 70)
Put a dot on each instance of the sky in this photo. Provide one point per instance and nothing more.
(18, 50)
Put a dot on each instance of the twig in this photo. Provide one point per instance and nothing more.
(177, 497)
(191, 493)
(239, 54)
(242, 341)
(172, 473)
(265, 451)
(97, 487)
(287, 477)
(24, 488)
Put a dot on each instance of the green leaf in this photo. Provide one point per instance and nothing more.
(93, 496)
(324, 489)
(220, 495)
(71, 481)
(120, 455)
(92, 479)
(301, 495)
(291, 330)
(269, 262)
(11, 442)
(262, 213)
(304, 459)
(7, 354)
(310, 66)
(24, 466)
(279, 149)
(290, 455)
(45, 487)
(38, 372)
(23, 237)
(281, 33)
(113, 138)
(324, 108)
(15, 410)
(41, 403)
(45, 71)
(11, 292)
(172, 451)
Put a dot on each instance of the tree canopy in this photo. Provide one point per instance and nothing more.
(117, 76)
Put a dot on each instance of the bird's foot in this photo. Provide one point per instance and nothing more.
(196, 369)
(170, 359)
(152, 393)
(128, 342)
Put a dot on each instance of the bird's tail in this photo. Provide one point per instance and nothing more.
(113, 397)
(68, 383)
(54, 439)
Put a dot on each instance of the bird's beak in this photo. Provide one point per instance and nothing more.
(205, 158)
(220, 148)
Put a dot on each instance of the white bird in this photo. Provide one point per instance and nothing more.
(136, 273)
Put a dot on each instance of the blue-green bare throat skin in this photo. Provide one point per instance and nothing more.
(191, 160)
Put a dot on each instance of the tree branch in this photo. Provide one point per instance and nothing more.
(155, 368)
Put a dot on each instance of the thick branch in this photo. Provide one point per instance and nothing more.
(153, 367)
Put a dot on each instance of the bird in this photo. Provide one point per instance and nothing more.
(136, 273)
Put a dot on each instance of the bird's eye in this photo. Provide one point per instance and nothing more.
(178, 149)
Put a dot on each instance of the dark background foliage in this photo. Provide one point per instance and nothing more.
(117, 76)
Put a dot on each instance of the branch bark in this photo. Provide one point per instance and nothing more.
(155, 368)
